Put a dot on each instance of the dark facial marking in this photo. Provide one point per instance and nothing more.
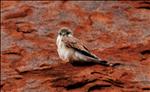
(68, 32)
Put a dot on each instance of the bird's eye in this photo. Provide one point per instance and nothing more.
(60, 33)
(68, 32)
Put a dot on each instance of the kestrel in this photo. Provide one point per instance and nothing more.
(71, 49)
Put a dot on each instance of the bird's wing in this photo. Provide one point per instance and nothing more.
(77, 45)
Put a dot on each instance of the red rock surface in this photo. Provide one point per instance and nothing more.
(118, 31)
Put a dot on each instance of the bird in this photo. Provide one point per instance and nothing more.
(71, 49)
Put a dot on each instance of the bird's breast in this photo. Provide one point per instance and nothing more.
(64, 52)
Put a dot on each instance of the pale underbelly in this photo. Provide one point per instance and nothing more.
(66, 53)
(69, 54)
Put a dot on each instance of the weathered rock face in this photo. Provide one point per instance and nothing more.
(117, 31)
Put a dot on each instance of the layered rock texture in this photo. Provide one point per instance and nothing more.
(117, 31)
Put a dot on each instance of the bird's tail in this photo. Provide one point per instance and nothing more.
(103, 62)
(106, 63)
(100, 61)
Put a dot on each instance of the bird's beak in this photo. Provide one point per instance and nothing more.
(63, 34)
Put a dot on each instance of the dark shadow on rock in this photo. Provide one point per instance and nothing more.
(79, 84)
(78, 63)
(145, 52)
(102, 63)
(97, 86)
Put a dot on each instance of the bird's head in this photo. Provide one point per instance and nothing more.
(65, 32)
